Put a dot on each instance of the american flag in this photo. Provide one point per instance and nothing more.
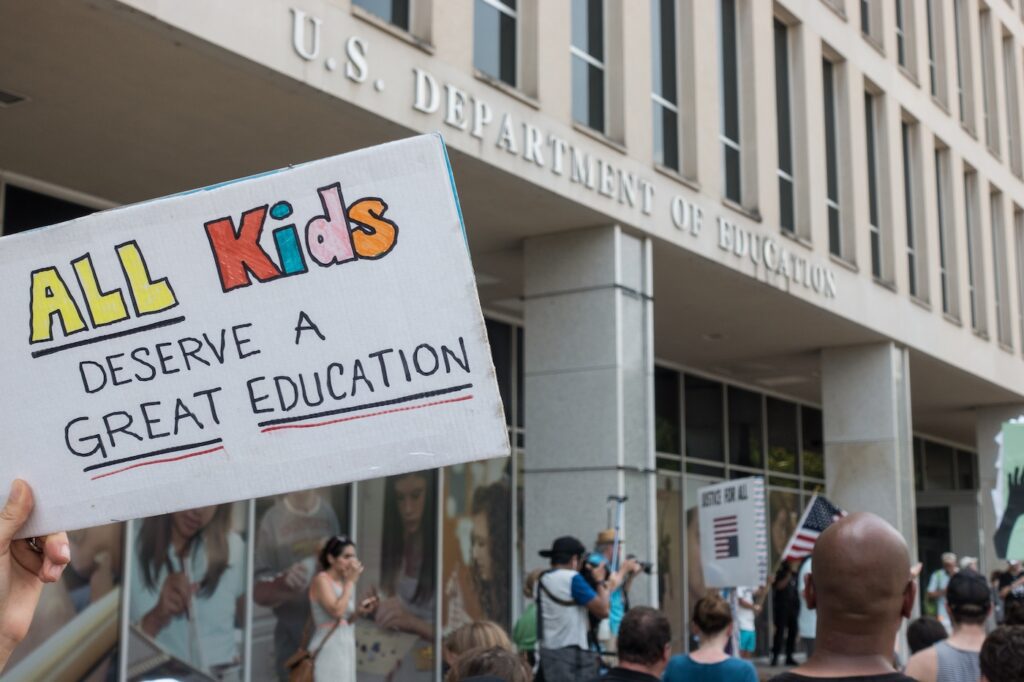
(726, 534)
(819, 515)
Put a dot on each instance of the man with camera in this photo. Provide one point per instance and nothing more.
(628, 569)
(564, 600)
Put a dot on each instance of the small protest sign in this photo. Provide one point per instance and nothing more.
(306, 327)
(733, 535)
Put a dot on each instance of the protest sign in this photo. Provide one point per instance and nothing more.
(306, 327)
(733, 535)
(1008, 495)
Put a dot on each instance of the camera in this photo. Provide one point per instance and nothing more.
(645, 566)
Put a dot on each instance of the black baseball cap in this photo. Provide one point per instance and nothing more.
(566, 545)
(968, 594)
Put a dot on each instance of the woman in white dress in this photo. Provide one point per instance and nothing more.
(333, 600)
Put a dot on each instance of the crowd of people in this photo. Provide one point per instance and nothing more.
(859, 585)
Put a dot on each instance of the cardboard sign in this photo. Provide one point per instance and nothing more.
(306, 327)
(1008, 495)
(733, 534)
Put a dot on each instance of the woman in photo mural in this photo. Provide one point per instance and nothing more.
(333, 607)
(188, 586)
(408, 580)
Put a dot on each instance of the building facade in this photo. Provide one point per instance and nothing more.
(713, 239)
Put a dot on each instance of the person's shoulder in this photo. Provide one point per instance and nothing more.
(677, 669)
(923, 665)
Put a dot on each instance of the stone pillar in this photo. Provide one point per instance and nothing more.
(588, 364)
(869, 463)
(988, 423)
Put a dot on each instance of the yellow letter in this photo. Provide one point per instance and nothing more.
(148, 296)
(104, 307)
(50, 296)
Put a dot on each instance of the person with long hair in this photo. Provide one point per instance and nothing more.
(188, 584)
(490, 551)
(408, 578)
(332, 597)
(479, 634)
(712, 621)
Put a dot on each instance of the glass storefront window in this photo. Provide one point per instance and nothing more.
(782, 436)
(500, 337)
(477, 544)
(745, 436)
(812, 451)
(186, 603)
(965, 470)
(291, 530)
(398, 545)
(74, 632)
(704, 419)
(670, 555)
(666, 411)
(938, 463)
(784, 510)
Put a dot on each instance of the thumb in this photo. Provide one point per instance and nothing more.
(15, 513)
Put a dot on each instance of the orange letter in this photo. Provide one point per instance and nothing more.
(374, 235)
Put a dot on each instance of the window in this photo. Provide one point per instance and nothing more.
(878, 264)
(664, 86)
(975, 286)
(494, 39)
(730, 99)
(392, 11)
(705, 419)
(938, 466)
(933, 72)
(947, 245)
(783, 111)
(25, 209)
(915, 247)
(745, 420)
(666, 411)
(588, 65)
(1013, 141)
(1000, 290)
(901, 34)
(990, 118)
(835, 236)
(865, 17)
(1018, 228)
(965, 99)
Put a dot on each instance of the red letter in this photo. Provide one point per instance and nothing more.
(238, 254)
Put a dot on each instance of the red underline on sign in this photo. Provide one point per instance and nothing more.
(159, 461)
(368, 414)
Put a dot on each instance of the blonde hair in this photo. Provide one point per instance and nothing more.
(482, 634)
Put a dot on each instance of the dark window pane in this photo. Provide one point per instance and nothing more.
(782, 103)
(745, 439)
(704, 419)
(901, 50)
(782, 436)
(869, 130)
(669, 464)
(876, 254)
(26, 210)
(499, 335)
(494, 42)
(666, 411)
(393, 11)
(733, 188)
(730, 71)
(918, 449)
(588, 27)
(663, 48)
(704, 469)
(965, 470)
(831, 151)
(865, 17)
(813, 443)
(787, 214)
(939, 466)
(587, 94)
(835, 236)
(666, 137)
(783, 482)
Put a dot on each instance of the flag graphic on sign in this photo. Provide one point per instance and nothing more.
(819, 515)
(726, 535)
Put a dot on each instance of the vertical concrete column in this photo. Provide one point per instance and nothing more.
(869, 463)
(988, 423)
(588, 364)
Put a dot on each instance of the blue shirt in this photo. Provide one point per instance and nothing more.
(682, 668)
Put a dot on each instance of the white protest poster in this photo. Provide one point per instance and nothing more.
(302, 328)
(733, 533)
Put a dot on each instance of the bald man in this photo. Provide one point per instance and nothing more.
(862, 590)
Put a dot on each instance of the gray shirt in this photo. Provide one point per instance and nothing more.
(956, 665)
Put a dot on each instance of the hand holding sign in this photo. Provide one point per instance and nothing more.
(23, 569)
